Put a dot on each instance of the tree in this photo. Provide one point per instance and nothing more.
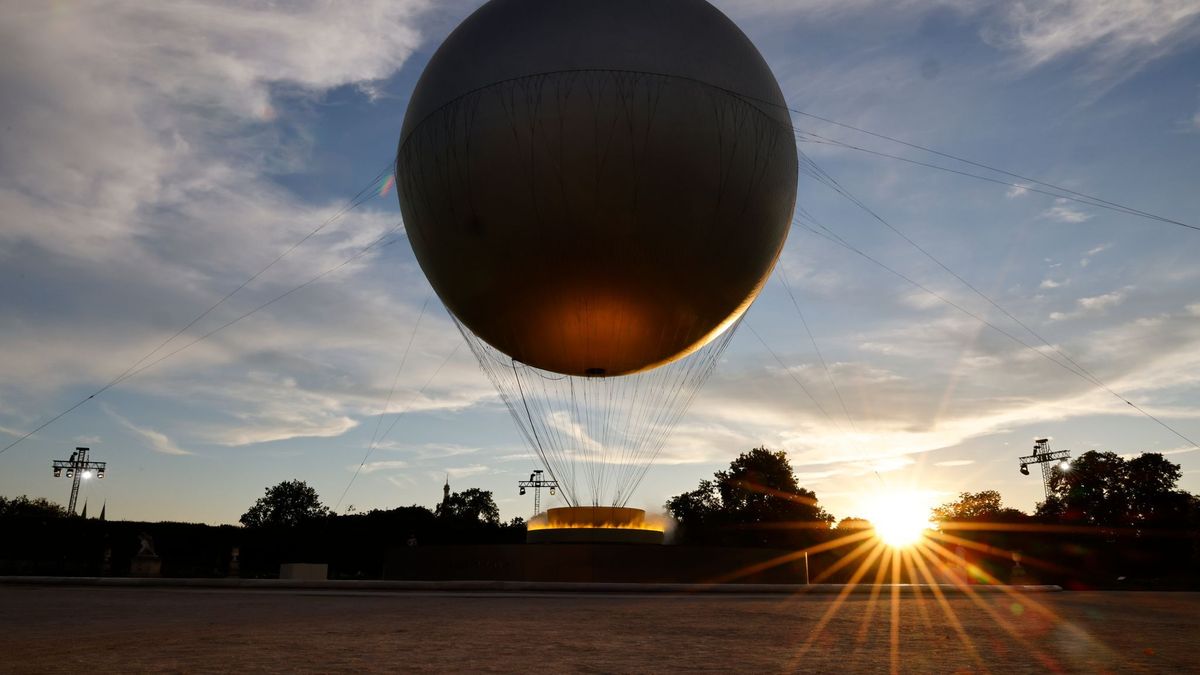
(982, 506)
(1105, 489)
(288, 504)
(692, 510)
(852, 524)
(24, 507)
(758, 489)
(470, 506)
(1151, 480)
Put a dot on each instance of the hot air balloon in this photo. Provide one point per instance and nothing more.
(597, 190)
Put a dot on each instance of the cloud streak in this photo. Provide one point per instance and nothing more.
(156, 440)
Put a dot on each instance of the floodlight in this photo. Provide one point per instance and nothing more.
(1065, 465)
(100, 473)
(70, 474)
(87, 475)
(522, 492)
(1024, 469)
(551, 492)
(57, 472)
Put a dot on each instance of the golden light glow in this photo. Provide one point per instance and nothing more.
(903, 551)
(900, 518)
(535, 524)
(597, 517)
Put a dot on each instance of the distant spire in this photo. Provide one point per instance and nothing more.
(84, 514)
(102, 509)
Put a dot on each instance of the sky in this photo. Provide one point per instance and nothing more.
(153, 156)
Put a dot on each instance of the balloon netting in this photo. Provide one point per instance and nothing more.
(598, 436)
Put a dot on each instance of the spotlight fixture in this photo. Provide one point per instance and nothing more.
(1049, 460)
(78, 468)
(537, 482)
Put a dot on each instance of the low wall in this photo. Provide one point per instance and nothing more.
(605, 563)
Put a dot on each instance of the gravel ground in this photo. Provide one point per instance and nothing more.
(65, 629)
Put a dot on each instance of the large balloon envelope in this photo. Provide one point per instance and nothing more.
(597, 187)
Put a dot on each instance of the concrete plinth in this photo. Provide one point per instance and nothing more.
(304, 571)
(146, 566)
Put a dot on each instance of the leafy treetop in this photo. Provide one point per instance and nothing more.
(287, 504)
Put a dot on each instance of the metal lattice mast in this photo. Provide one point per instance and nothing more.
(1051, 460)
(537, 483)
(78, 468)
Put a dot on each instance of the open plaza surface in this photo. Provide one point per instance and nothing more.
(97, 629)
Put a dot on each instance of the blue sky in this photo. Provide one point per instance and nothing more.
(153, 156)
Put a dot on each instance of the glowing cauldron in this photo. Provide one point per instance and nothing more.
(594, 524)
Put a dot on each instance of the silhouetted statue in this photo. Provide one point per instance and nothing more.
(146, 546)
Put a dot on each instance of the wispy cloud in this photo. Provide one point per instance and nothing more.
(158, 441)
(1090, 306)
(1064, 212)
(1117, 37)
(466, 471)
(1087, 257)
(147, 182)
(383, 465)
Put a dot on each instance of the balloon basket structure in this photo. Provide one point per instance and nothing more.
(594, 525)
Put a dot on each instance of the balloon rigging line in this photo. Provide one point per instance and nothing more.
(388, 402)
(594, 422)
(130, 373)
(826, 179)
(834, 238)
(420, 391)
(1089, 201)
(829, 181)
(1068, 193)
(525, 402)
(792, 374)
(1063, 192)
(405, 409)
(399, 369)
(828, 373)
(357, 200)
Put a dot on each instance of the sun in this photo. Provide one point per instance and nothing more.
(899, 518)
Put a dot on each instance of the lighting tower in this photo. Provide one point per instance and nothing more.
(78, 468)
(1050, 460)
(537, 483)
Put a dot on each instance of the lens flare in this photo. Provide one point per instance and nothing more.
(900, 519)
(387, 185)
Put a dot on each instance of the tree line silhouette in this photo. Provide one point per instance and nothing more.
(1110, 521)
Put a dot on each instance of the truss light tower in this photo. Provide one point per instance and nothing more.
(1049, 459)
(78, 468)
(537, 483)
